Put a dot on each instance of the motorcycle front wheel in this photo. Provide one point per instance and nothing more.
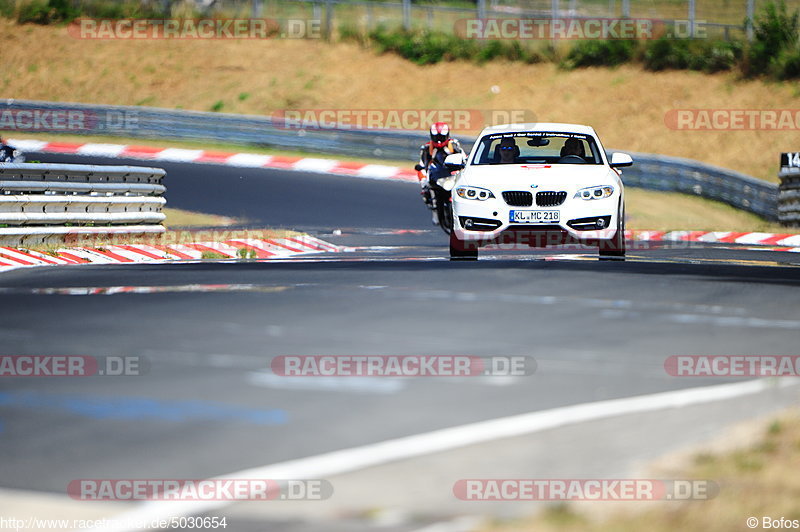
(444, 211)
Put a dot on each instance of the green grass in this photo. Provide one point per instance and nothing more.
(213, 255)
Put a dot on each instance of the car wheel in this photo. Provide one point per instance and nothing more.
(460, 250)
(615, 248)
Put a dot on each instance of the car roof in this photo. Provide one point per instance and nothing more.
(540, 126)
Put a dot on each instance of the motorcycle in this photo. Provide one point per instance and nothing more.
(440, 182)
(9, 154)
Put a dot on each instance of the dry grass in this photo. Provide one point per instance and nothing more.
(181, 218)
(667, 211)
(757, 480)
(626, 105)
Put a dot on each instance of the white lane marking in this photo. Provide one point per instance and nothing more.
(733, 321)
(379, 385)
(703, 319)
(356, 458)
(628, 304)
(466, 523)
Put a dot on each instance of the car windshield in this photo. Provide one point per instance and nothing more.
(536, 148)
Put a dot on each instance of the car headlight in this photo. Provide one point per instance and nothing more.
(591, 193)
(474, 193)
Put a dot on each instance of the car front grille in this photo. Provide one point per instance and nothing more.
(550, 199)
(518, 198)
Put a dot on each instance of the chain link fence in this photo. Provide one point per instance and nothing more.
(725, 19)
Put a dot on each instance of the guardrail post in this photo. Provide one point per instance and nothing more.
(407, 14)
(481, 9)
(789, 190)
(328, 19)
(692, 17)
(258, 9)
(751, 12)
(316, 12)
(626, 8)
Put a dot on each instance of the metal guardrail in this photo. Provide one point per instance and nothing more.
(650, 171)
(45, 200)
(148, 122)
(673, 174)
(789, 190)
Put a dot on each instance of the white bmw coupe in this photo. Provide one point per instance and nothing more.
(538, 185)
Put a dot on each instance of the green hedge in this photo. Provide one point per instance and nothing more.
(691, 54)
(600, 53)
(62, 11)
(429, 47)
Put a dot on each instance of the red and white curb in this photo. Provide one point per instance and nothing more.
(244, 160)
(777, 241)
(273, 248)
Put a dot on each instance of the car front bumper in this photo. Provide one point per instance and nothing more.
(489, 222)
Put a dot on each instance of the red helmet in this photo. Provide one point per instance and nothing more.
(440, 134)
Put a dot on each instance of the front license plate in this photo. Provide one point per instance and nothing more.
(533, 217)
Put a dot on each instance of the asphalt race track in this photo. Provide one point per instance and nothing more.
(209, 405)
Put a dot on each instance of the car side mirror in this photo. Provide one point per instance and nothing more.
(618, 160)
(455, 161)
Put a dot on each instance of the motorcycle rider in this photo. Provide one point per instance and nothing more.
(435, 151)
(8, 154)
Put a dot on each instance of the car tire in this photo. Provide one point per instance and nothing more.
(460, 250)
(614, 249)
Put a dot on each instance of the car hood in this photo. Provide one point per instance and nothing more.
(545, 177)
